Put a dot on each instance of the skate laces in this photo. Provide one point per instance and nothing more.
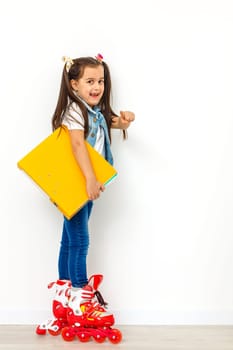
(84, 294)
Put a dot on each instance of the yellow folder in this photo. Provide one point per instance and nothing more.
(53, 167)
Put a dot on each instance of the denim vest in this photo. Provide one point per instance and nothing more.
(95, 120)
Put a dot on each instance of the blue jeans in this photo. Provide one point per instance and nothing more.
(74, 247)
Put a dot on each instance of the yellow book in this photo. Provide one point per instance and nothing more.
(53, 167)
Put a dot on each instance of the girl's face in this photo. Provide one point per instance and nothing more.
(90, 87)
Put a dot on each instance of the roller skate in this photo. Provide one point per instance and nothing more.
(87, 316)
(59, 308)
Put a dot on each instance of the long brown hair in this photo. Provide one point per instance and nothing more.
(66, 94)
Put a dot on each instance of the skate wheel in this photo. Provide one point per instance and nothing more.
(99, 338)
(84, 336)
(40, 331)
(53, 332)
(115, 336)
(66, 334)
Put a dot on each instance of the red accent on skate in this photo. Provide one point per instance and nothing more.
(67, 292)
(51, 284)
(62, 282)
(59, 310)
(94, 281)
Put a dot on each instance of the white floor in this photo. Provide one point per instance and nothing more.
(21, 337)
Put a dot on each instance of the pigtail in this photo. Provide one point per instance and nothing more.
(61, 103)
(67, 96)
(105, 102)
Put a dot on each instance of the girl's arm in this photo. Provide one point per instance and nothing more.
(79, 148)
(123, 121)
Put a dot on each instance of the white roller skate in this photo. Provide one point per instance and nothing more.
(59, 309)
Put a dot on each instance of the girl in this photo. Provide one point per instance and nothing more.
(84, 108)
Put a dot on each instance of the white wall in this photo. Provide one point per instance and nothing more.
(162, 233)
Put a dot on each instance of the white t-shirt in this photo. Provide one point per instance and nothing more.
(73, 120)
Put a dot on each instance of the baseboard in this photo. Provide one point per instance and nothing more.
(129, 317)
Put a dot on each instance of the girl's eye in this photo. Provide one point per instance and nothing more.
(91, 81)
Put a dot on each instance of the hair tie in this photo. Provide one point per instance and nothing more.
(99, 57)
(68, 62)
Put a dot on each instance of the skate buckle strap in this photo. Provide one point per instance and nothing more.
(100, 299)
(87, 292)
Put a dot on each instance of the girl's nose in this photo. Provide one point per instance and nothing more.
(96, 86)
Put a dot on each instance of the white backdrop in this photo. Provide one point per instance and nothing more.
(162, 233)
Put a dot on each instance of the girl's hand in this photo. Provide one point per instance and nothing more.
(123, 121)
(94, 188)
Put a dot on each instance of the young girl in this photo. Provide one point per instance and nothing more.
(84, 108)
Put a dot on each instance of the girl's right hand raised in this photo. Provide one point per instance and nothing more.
(94, 188)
